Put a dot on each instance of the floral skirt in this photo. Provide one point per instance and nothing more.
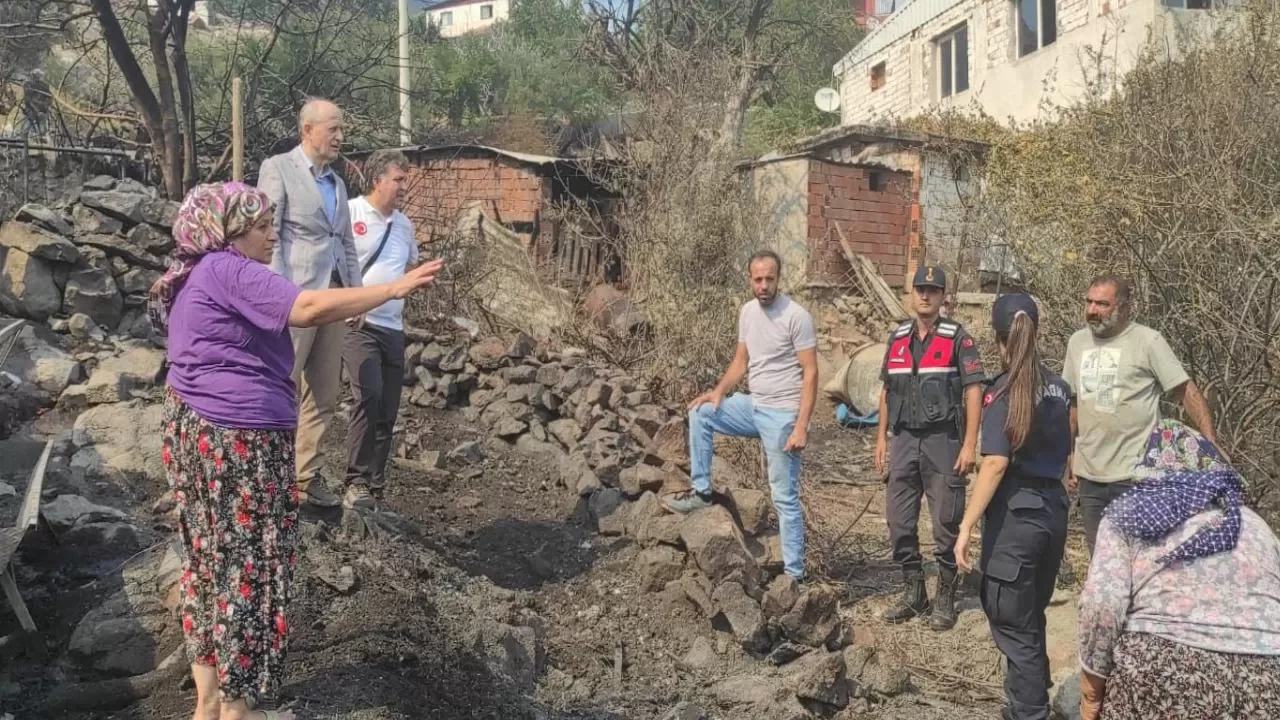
(238, 518)
(1155, 678)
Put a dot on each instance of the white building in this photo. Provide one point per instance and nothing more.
(1012, 59)
(459, 17)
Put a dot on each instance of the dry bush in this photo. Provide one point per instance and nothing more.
(683, 230)
(1175, 182)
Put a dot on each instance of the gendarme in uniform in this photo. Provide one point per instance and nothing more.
(924, 380)
(1024, 527)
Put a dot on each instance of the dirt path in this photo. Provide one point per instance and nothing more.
(497, 539)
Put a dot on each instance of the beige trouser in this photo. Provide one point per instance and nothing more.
(317, 370)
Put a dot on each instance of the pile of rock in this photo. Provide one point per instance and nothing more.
(95, 254)
(619, 451)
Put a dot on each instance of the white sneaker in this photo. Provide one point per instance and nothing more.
(358, 496)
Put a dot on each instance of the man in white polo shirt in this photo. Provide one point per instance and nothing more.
(374, 349)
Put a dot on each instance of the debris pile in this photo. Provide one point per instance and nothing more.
(619, 450)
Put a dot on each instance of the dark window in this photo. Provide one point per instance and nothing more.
(877, 76)
(486, 12)
(953, 62)
(877, 181)
(1037, 25)
(1189, 4)
(446, 19)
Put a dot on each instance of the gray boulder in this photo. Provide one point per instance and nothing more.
(88, 220)
(38, 359)
(135, 628)
(122, 438)
(92, 290)
(44, 217)
(38, 243)
(27, 286)
(124, 206)
(115, 378)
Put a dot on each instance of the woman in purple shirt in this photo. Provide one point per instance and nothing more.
(230, 415)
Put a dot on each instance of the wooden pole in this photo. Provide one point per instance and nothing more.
(237, 132)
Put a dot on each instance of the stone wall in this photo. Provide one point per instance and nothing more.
(95, 254)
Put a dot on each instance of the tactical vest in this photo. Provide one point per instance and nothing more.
(925, 394)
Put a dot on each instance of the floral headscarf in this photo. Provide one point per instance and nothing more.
(1181, 475)
(210, 217)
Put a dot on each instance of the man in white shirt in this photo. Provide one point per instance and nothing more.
(374, 349)
(777, 352)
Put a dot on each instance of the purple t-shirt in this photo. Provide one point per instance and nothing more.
(230, 354)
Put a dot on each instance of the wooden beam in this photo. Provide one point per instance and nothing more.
(237, 131)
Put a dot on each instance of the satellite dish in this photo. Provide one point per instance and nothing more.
(827, 100)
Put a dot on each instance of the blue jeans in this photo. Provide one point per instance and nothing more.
(739, 417)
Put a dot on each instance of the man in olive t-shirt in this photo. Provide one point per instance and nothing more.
(1119, 370)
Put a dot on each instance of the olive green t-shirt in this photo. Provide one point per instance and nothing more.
(1118, 383)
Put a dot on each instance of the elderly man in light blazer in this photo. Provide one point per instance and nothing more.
(316, 251)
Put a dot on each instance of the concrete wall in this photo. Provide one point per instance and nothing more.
(467, 18)
(1098, 42)
(780, 191)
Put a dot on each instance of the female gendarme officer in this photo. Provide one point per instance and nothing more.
(1019, 493)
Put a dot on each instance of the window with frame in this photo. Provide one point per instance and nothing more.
(953, 62)
(1188, 4)
(486, 12)
(446, 19)
(885, 7)
(1037, 25)
(877, 76)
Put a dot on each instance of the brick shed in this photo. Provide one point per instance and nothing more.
(810, 202)
(518, 189)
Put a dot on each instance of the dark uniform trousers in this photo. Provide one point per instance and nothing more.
(1023, 536)
(375, 364)
(922, 463)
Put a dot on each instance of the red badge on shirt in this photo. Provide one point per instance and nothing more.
(988, 399)
(968, 342)
(360, 228)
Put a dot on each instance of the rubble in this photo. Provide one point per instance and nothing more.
(132, 630)
(95, 256)
(820, 677)
(511, 651)
(605, 438)
(716, 545)
(119, 438)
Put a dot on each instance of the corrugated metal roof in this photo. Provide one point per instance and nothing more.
(897, 26)
(528, 158)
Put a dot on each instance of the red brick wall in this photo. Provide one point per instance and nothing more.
(439, 189)
(877, 224)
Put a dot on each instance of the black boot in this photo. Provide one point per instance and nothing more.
(944, 605)
(914, 602)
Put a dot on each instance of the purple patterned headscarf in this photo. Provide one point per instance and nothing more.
(1183, 475)
(211, 216)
